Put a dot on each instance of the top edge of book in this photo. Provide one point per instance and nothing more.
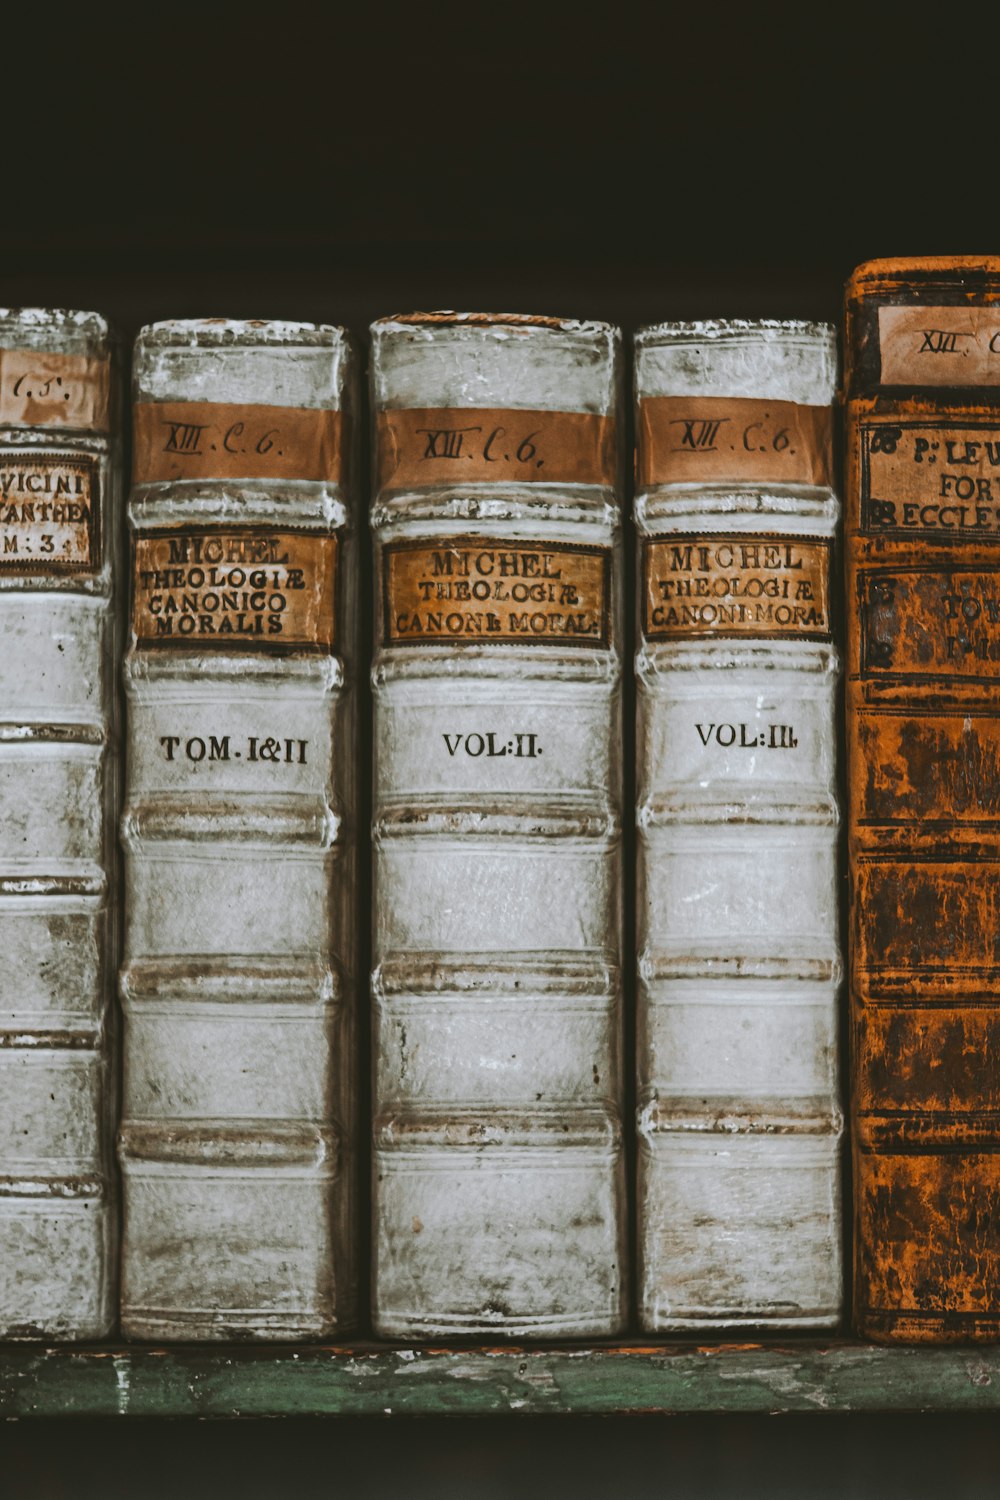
(230, 361)
(56, 318)
(61, 330)
(916, 272)
(735, 330)
(772, 360)
(496, 323)
(237, 333)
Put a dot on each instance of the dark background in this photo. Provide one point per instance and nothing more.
(626, 161)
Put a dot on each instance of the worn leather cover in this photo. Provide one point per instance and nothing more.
(923, 732)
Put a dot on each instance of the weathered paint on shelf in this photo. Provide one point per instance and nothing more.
(369, 1381)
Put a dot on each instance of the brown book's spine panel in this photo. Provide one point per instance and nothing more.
(923, 731)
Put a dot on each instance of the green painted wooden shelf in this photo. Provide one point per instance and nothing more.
(375, 1379)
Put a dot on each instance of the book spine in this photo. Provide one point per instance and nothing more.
(923, 735)
(59, 500)
(738, 1118)
(238, 1138)
(498, 1168)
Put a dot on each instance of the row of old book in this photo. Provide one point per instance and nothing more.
(502, 1161)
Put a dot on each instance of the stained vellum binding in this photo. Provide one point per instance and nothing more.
(499, 1202)
(59, 483)
(237, 1144)
(739, 965)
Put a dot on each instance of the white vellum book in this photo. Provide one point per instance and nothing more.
(59, 503)
(238, 1138)
(739, 963)
(499, 1202)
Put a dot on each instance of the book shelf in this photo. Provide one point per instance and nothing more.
(365, 1379)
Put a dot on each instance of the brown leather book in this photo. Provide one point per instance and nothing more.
(923, 732)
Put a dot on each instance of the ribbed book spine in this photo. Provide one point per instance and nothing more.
(739, 967)
(923, 737)
(59, 497)
(237, 1142)
(499, 1202)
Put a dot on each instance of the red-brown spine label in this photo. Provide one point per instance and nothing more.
(721, 585)
(469, 591)
(235, 589)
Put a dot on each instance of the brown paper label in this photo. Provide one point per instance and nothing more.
(471, 591)
(38, 389)
(941, 622)
(234, 588)
(706, 439)
(473, 445)
(213, 440)
(938, 478)
(49, 512)
(939, 345)
(715, 585)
